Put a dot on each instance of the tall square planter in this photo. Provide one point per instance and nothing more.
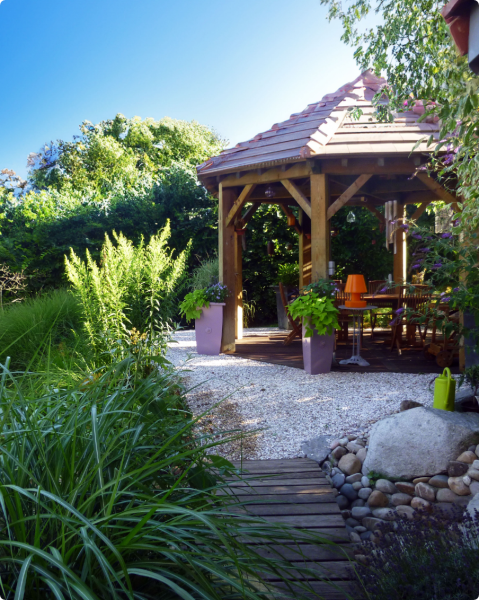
(209, 329)
(317, 353)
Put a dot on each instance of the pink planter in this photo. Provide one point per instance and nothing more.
(209, 329)
(318, 353)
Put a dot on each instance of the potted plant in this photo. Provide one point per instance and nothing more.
(319, 317)
(288, 275)
(206, 307)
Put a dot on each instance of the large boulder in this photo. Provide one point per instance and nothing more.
(420, 441)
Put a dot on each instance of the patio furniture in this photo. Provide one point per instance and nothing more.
(445, 348)
(297, 329)
(414, 302)
(357, 314)
(389, 298)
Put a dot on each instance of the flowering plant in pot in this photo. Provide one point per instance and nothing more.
(206, 307)
(319, 317)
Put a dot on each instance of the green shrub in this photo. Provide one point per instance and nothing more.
(288, 274)
(29, 329)
(132, 287)
(206, 274)
(105, 493)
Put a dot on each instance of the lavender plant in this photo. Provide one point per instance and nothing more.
(198, 299)
(432, 557)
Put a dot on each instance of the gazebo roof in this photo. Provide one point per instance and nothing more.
(328, 129)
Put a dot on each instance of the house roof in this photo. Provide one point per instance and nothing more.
(327, 129)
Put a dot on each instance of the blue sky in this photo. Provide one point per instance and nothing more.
(236, 66)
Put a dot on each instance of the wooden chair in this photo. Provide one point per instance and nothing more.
(376, 286)
(417, 301)
(296, 324)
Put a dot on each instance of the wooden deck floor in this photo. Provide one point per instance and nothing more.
(270, 349)
(296, 492)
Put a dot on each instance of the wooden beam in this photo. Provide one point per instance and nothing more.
(267, 175)
(227, 255)
(304, 252)
(349, 193)
(250, 212)
(419, 197)
(240, 202)
(436, 187)
(298, 195)
(238, 287)
(399, 259)
(375, 211)
(419, 211)
(320, 227)
(289, 213)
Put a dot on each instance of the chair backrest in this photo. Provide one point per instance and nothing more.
(285, 303)
(375, 285)
(340, 297)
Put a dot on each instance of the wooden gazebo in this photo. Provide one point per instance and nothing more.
(321, 159)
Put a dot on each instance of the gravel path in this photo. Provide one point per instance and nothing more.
(286, 404)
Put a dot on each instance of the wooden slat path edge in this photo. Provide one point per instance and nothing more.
(295, 492)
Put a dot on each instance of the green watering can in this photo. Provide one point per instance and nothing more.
(445, 391)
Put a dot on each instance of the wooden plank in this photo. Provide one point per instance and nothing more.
(290, 474)
(321, 534)
(298, 195)
(238, 286)
(310, 552)
(320, 228)
(420, 210)
(309, 522)
(349, 193)
(335, 570)
(280, 481)
(285, 508)
(400, 257)
(239, 203)
(272, 464)
(250, 212)
(286, 469)
(340, 590)
(299, 169)
(281, 489)
(226, 254)
(436, 187)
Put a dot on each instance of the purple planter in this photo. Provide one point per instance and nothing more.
(317, 353)
(209, 329)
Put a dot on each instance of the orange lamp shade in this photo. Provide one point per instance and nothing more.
(355, 286)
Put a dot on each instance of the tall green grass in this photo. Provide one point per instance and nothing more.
(106, 493)
(39, 328)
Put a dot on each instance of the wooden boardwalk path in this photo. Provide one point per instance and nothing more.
(296, 492)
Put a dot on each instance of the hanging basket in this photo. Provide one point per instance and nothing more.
(240, 231)
(291, 220)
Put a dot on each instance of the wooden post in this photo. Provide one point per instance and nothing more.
(319, 227)
(227, 255)
(304, 250)
(400, 258)
(239, 287)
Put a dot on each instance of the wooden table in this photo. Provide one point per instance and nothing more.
(383, 300)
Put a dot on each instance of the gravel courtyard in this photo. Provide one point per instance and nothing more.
(287, 405)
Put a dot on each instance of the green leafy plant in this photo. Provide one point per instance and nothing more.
(325, 288)
(316, 313)
(288, 274)
(195, 301)
(471, 377)
(133, 286)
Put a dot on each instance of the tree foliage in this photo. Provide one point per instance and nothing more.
(413, 48)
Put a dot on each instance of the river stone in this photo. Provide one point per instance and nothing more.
(378, 499)
(348, 491)
(364, 493)
(420, 441)
(372, 523)
(317, 449)
(467, 457)
(456, 468)
(365, 481)
(406, 487)
(458, 486)
(353, 447)
(405, 511)
(352, 522)
(408, 404)
(421, 480)
(339, 452)
(366, 536)
(343, 441)
(385, 513)
(358, 502)
(439, 481)
(342, 502)
(401, 499)
(474, 488)
(338, 480)
(359, 512)
(426, 491)
(473, 506)
(360, 529)
(474, 473)
(361, 455)
(326, 467)
(353, 478)
(334, 444)
(446, 495)
(354, 537)
(475, 464)
(357, 486)
(421, 504)
(467, 480)
(350, 464)
(385, 486)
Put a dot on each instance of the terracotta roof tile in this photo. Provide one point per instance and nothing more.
(327, 128)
